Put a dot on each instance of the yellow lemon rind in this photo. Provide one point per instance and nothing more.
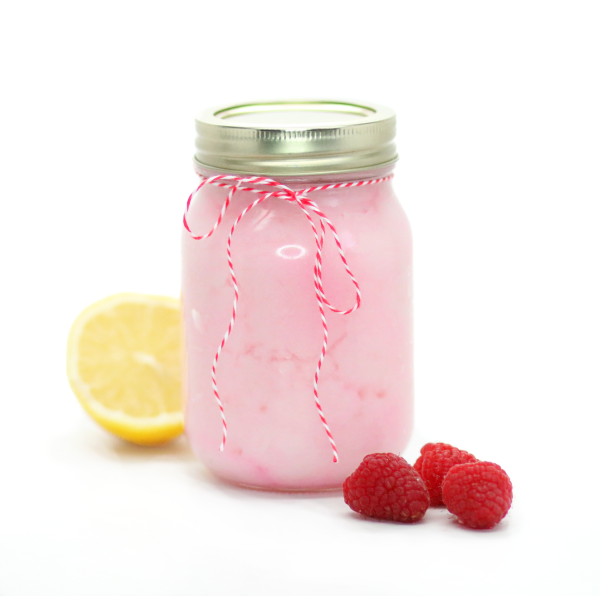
(147, 431)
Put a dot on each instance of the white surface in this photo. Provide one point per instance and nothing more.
(498, 126)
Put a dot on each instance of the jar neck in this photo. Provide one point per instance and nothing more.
(314, 179)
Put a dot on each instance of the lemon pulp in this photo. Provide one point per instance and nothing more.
(124, 366)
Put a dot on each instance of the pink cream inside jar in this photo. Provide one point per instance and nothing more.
(275, 437)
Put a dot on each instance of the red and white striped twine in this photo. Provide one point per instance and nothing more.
(280, 191)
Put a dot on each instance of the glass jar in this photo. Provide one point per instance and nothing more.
(257, 376)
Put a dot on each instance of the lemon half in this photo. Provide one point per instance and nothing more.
(124, 366)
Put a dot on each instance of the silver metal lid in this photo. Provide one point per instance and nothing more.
(295, 137)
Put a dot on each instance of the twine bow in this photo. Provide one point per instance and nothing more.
(274, 189)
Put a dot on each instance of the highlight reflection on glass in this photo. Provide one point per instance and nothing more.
(291, 251)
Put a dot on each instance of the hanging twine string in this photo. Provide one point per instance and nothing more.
(267, 188)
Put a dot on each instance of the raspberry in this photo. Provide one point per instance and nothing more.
(435, 462)
(386, 486)
(478, 493)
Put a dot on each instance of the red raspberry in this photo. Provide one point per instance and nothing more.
(435, 462)
(386, 486)
(479, 493)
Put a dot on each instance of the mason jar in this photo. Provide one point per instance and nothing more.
(296, 294)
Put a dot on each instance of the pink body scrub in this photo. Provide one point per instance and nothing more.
(276, 438)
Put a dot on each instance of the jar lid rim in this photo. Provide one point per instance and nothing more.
(295, 137)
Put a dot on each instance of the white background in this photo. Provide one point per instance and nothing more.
(498, 109)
